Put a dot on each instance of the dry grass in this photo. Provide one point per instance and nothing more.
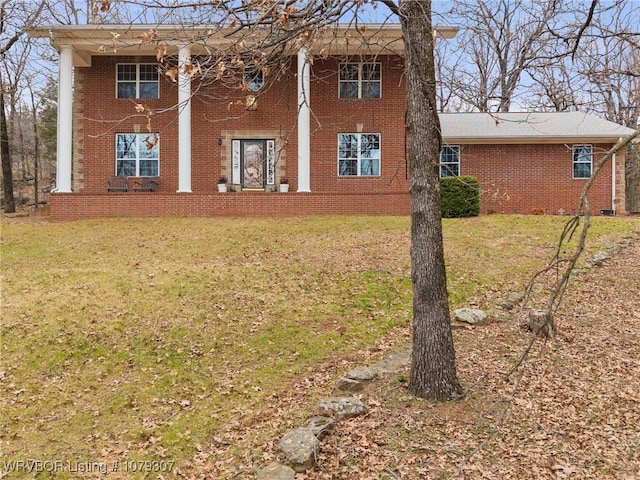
(199, 341)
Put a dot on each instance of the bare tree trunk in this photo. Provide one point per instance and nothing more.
(36, 150)
(7, 174)
(633, 178)
(433, 367)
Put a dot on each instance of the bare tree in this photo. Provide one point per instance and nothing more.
(15, 19)
(500, 40)
(604, 42)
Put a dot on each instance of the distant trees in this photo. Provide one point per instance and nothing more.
(15, 50)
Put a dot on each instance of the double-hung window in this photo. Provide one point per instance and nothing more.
(137, 154)
(450, 161)
(360, 80)
(582, 159)
(359, 154)
(137, 80)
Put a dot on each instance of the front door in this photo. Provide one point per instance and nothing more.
(253, 163)
(253, 155)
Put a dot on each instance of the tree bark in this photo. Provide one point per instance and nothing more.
(7, 174)
(433, 368)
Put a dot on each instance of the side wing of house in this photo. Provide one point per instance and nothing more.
(536, 162)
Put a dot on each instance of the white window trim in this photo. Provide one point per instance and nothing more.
(359, 159)
(574, 162)
(137, 80)
(459, 163)
(137, 158)
(360, 80)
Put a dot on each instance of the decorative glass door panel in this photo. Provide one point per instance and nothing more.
(253, 164)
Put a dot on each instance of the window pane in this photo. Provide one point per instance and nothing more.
(127, 73)
(348, 147)
(370, 71)
(126, 90)
(370, 166)
(349, 90)
(581, 170)
(148, 89)
(370, 145)
(148, 168)
(449, 170)
(349, 71)
(255, 80)
(148, 147)
(126, 168)
(126, 146)
(148, 73)
(348, 167)
(371, 90)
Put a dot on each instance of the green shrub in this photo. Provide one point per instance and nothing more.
(460, 197)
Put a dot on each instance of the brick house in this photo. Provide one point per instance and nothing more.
(333, 127)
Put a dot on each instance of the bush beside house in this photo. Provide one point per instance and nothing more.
(460, 197)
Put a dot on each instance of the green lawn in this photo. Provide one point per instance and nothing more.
(141, 339)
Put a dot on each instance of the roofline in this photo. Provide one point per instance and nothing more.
(88, 40)
(527, 140)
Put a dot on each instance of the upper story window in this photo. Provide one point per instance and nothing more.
(137, 154)
(582, 159)
(137, 80)
(254, 79)
(360, 80)
(450, 161)
(359, 154)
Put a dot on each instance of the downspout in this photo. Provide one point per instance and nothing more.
(613, 183)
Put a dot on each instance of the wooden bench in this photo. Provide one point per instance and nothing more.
(117, 183)
(146, 184)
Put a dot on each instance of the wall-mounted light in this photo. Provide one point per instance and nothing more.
(219, 142)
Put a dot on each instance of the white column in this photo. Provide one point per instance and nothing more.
(65, 119)
(304, 120)
(184, 121)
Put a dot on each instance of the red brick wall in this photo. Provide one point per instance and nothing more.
(524, 178)
(513, 178)
(103, 115)
(214, 114)
(77, 206)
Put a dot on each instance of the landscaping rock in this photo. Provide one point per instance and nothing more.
(512, 300)
(469, 315)
(320, 426)
(276, 471)
(599, 258)
(349, 385)
(362, 374)
(394, 362)
(300, 447)
(342, 407)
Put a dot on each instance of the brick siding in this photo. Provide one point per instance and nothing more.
(513, 178)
